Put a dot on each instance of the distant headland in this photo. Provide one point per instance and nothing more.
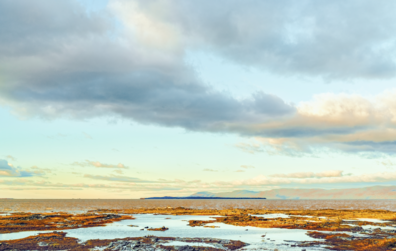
(202, 198)
(363, 193)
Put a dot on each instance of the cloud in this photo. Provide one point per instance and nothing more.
(209, 170)
(342, 122)
(24, 184)
(88, 163)
(286, 37)
(330, 177)
(118, 171)
(10, 157)
(121, 179)
(303, 175)
(95, 74)
(249, 147)
(129, 61)
(38, 188)
(86, 135)
(388, 163)
(8, 170)
(121, 183)
(247, 166)
(38, 170)
(240, 171)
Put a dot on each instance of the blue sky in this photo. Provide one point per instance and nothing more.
(126, 99)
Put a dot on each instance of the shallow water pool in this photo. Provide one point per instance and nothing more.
(178, 227)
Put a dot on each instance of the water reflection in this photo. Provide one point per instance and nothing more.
(178, 228)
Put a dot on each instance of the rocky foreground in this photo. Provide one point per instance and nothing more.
(59, 241)
(334, 229)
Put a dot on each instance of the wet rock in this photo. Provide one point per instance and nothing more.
(131, 245)
(43, 244)
(186, 248)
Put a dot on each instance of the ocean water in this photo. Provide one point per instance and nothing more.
(83, 205)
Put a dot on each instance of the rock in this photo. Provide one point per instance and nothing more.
(43, 244)
(185, 248)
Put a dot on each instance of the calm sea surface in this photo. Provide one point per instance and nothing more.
(82, 205)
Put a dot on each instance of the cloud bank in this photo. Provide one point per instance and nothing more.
(322, 38)
(128, 60)
(328, 177)
(303, 175)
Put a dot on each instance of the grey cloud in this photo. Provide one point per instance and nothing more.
(337, 39)
(388, 147)
(57, 60)
(152, 98)
(8, 170)
(105, 75)
(28, 27)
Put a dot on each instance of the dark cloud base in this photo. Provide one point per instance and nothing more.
(56, 59)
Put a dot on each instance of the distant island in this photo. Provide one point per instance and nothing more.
(363, 193)
(202, 198)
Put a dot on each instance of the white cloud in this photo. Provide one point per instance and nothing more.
(303, 175)
(209, 170)
(247, 166)
(344, 122)
(88, 163)
(321, 178)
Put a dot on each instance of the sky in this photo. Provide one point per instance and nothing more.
(135, 98)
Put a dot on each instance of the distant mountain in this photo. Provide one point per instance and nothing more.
(239, 194)
(236, 193)
(202, 198)
(203, 194)
(374, 192)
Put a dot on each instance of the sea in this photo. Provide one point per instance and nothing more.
(83, 205)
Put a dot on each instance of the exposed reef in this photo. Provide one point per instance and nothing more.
(334, 229)
(19, 222)
(59, 241)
